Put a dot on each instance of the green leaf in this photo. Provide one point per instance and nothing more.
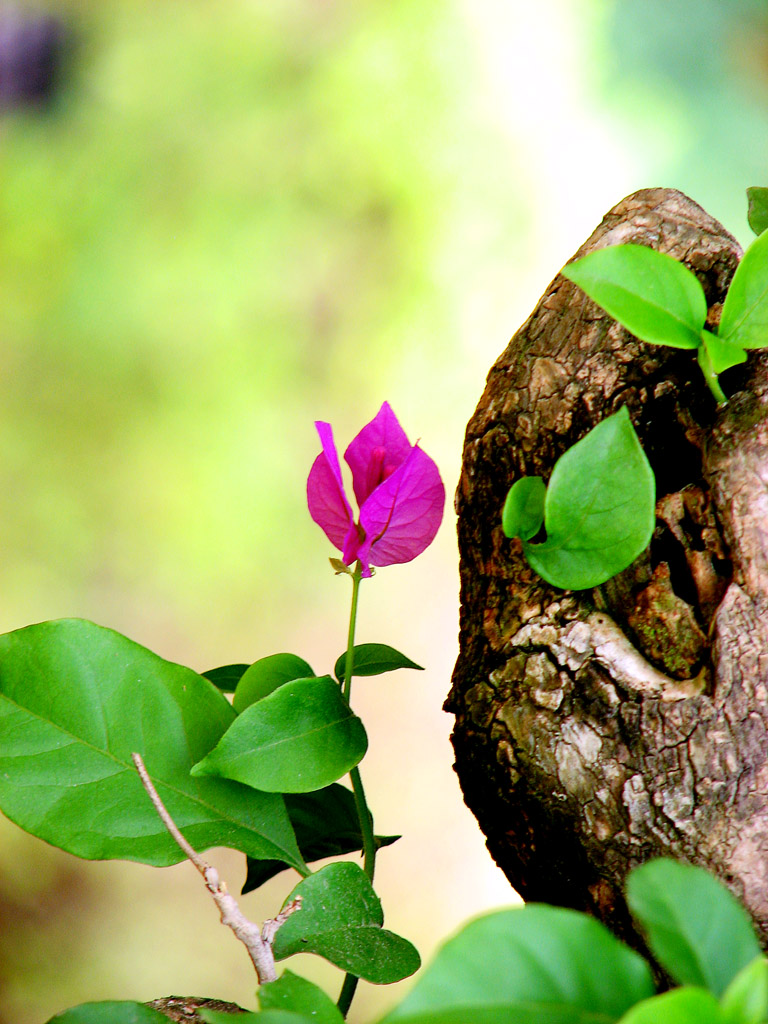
(291, 992)
(722, 354)
(746, 999)
(225, 678)
(266, 675)
(374, 660)
(523, 512)
(341, 920)
(531, 965)
(744, 319)
(219, 1017)
(654, 296)
(326, 825)
(111, 1013)
(757, 209)
(75, 701)
(695, 928)
(599, 508)
(267, 1017)
(301, 737)
(682, 1006)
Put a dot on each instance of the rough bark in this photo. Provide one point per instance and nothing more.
(184, 1008)
(597, 729)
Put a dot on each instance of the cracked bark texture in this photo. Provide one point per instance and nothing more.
(597, 729)
(185, 1008)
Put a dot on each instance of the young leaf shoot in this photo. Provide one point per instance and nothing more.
(598, 509)
(662, 302)
(757, 212)
(523, 512)
(744, 320)
(653, 295)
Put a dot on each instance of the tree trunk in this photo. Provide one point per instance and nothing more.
(184, 1008)
(597, 729)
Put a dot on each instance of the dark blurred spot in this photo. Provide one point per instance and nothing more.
(31, 49)
(666, 549)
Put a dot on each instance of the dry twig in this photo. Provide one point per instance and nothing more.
(257, 941)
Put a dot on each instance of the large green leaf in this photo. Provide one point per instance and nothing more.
(300, 737)
(654, 296)
(695, 928)
(531, 965)
(757, 208)
(111, 1013)
(599, 508)
(341, 920)
(745, 1001)
(76, 700)
(744, 319)
(682, 1006)
(373, 660)
(291, 992)
(265, 675)
(326, 825)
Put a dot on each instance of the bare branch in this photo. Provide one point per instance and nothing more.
(271, 927)
(167, 820)
(257, 941)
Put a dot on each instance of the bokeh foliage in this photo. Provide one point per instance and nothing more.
(221, 221)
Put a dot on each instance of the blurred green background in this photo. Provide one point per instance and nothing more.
(235, 218)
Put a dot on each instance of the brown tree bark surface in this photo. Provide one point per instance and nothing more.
(597, 729)
(183, 1009)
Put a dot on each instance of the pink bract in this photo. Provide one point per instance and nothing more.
(398, 490)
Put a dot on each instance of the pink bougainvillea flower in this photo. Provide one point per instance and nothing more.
(397, 487)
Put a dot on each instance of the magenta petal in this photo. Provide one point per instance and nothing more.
(403, 514)
(377, 451)
(326, 499)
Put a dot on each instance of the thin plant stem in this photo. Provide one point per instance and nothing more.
(258, 941)
(347, 993)
(709, 375)
(363, 813)
(366, 824)
(349, 661)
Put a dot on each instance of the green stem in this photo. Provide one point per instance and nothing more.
(349, 661)
(347, 994)
(364, 816)
(366, 824)
(709, 375)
